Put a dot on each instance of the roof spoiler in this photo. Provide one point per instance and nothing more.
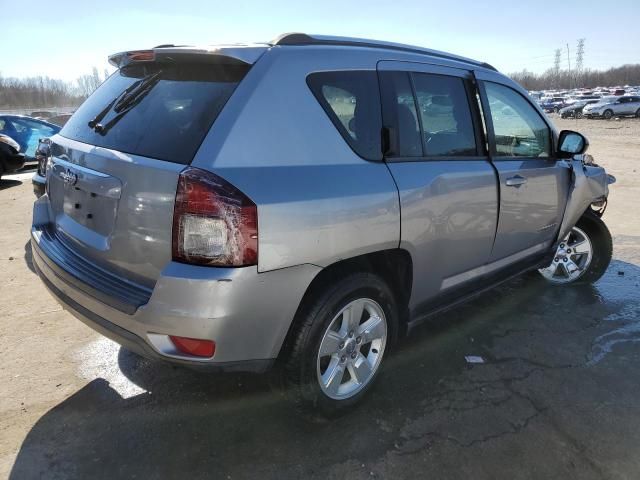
(233, 54)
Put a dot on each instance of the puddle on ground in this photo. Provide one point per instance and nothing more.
(620, 285)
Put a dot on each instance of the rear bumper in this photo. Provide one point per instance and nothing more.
(246, 313)
(138, 345)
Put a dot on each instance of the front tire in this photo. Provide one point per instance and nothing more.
(638, 113)
(583, 255)
(607, 114)
(341, 337)
(578, 115)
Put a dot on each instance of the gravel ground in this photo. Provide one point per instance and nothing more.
(557, 396)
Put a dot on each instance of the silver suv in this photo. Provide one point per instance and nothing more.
(304, 203)
(608, 107)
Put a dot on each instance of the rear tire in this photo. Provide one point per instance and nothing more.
(310, 371)
(578, 115)
(638, 113)
(607, 115)
(588, 247)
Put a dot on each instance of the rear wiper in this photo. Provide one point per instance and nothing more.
(124, 102)
(140, 92)
(95, 120)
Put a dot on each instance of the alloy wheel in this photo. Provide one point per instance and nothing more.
(573, 257)
(351, 349)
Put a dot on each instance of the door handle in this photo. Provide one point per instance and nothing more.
(516, 181)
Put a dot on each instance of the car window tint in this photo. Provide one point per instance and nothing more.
(41, 128)
(400, 115)
(351, 99)
(519, 130)
(446, 118)
(170, 121)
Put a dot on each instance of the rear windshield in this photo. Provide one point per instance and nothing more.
(170, 121)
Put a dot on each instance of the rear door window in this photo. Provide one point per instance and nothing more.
(400, 115)
(170, 121)
(351, 99)
(445, 114)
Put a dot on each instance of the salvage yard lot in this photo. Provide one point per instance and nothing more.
(557, 396)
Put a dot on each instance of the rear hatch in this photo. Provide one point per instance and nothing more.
(115, 165)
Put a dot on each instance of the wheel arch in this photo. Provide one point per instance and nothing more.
(394, 266)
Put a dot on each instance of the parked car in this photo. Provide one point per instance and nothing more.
(553, 104)
(26, 131)
(575, 108)
(580, 98)
(41, 114)
(11, 160)
(612, 106)
(39, 178)
(232, 208)
(60, 119)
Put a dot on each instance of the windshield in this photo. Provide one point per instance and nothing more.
(155, 110)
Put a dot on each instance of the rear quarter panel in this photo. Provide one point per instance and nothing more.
(318, 201)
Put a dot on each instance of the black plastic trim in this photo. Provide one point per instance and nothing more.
(122, 295)
(302, 39)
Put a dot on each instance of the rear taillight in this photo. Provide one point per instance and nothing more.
(214, 223)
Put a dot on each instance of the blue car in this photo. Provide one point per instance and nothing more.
(553, 104)
(26, 131)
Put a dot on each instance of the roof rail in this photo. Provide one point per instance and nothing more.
(305, 39)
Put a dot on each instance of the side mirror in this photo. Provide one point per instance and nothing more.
(571, 143)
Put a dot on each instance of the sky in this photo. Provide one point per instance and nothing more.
(67, 38)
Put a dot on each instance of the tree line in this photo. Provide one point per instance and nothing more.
(566, 79)
(45, 92)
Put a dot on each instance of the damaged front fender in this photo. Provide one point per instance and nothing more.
(589, 184)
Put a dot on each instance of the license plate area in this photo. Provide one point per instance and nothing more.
(84, 202)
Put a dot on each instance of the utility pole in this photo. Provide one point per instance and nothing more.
(569, 64)
(579, 60)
